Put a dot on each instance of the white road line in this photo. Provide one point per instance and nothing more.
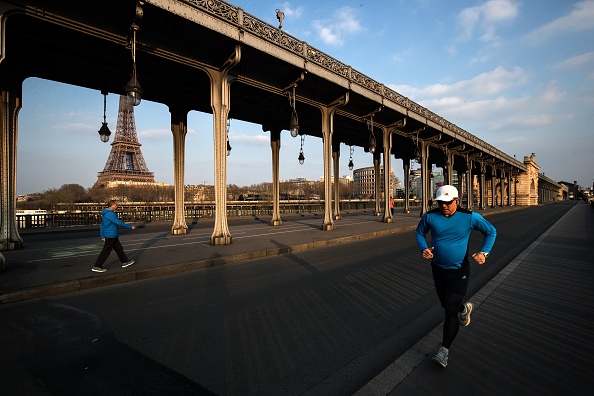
(199, 239)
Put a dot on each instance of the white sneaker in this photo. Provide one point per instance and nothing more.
(464, 317)
(441, 357)
(98, 269)
(127, 263)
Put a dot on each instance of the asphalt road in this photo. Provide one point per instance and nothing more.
(320, 322)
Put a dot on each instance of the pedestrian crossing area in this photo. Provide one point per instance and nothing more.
(74, 251)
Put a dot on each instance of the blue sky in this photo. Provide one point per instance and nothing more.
(518, 74)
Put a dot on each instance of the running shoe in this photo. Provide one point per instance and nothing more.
(464, 317)
(441, 357)
(98, 269)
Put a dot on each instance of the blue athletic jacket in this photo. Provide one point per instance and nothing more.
(450, 235)
(109, 224)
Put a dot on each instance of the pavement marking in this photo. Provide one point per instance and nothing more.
(202, 238)
(72, 251)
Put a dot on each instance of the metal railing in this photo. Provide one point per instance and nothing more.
(90, 214)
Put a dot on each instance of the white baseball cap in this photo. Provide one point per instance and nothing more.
(446, 193)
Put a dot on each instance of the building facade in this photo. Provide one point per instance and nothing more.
(364, 182)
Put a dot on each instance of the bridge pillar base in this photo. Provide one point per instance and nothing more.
(11, 245)
(179, 231)
(220, 240)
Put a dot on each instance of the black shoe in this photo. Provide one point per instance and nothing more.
(127, 263)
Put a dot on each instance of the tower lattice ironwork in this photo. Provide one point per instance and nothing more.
(125, 164)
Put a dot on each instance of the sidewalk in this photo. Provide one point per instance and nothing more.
(59, 262)
(531, 332)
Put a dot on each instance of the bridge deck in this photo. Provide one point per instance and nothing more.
(61, 262)
(536, 314)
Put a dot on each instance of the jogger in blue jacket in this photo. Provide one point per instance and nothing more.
(110, 232)
(450, 229)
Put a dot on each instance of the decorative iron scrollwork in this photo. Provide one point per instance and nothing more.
(264, 30)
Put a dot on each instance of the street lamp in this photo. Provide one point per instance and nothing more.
(104, 131)
(294, 125)
(301, 157)
(133, 88)
(351, 165)
(372, 141)
(228, 145)
(417, 150)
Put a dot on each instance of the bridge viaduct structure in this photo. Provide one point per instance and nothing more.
(212, 57)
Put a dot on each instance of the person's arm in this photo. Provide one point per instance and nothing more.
(113, 217)
(101, 228)
(421, 236)
(489, 232)
(421, 233)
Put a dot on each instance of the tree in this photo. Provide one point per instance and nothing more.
(99, 194)
(68, 194)
(233, 191)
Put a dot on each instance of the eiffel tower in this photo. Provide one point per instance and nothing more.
(125, 164)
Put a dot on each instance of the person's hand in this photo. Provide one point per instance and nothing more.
(103, 239)
(428, 253)
(133, 227)
(479, 258)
